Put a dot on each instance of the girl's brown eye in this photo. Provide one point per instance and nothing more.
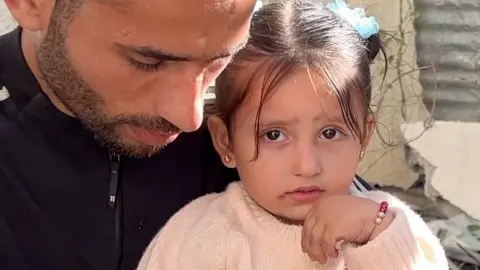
(329, 134)
(273, 135)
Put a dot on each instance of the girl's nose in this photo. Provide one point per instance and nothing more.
(306, 162)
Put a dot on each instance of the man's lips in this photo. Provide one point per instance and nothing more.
(152, 137)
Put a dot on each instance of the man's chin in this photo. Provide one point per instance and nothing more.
(138, 150)
(130, 148)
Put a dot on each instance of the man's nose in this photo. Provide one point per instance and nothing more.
(188, 107)
(306, 161)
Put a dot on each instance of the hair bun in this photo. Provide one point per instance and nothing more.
(374, 45)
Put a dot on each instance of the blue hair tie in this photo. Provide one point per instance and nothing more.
(365, 26)
(258, 5)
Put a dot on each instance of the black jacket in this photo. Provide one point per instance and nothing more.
(67, 203)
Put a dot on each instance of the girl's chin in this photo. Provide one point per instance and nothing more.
(295, 216)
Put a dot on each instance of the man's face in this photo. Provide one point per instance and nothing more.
(136, 72)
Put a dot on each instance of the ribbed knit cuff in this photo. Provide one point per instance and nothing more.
(395, 248)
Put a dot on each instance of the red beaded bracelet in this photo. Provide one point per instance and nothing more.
(381, 213)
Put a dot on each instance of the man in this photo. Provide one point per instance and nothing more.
(101, 138)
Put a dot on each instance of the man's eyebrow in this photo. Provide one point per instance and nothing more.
(156, 53)
(234, 50)
(163, 56)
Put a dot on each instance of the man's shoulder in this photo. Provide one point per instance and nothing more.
(17, 82)
(5, 102)
(4, 36)
(7, 43)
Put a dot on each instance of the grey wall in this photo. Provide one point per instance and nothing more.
(448, 35)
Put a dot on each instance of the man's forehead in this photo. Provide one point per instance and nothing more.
(219, 5)
(202, 6)
(211, 28)
(199, 29)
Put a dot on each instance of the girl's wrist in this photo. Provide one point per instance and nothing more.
(379, 228)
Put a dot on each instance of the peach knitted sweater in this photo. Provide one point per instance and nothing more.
(230, 231)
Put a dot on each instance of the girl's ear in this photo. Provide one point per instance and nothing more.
(370, 128)
(221, 140)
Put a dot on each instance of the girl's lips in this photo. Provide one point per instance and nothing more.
(304, 195)
(308, 189)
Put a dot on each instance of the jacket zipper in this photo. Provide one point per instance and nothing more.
(114, 202)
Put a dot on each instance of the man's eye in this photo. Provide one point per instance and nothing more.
(147, 66)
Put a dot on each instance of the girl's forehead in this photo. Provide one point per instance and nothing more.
(300, 92)
(258, 76)
(307, 82)
(300, 84)
(304, 87)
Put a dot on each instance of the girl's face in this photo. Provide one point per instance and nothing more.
(305, 147)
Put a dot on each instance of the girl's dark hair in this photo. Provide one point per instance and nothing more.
(292, 34)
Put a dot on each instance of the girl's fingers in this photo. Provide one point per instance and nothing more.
(308, 224)
(330, 240)
(316, 247)
(316, 243)
(312, 234)
(320, 256)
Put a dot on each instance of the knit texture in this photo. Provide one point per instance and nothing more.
(230, 231)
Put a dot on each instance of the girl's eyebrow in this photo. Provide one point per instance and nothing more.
(279, 122)
(295, 120)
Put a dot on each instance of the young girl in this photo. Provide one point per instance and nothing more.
(293, 118)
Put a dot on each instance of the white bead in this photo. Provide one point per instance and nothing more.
(381, 214)
(378, 221)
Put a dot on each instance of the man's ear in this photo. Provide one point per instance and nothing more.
(221, 140)
(32, 15)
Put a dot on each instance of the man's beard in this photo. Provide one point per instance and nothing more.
(87, 104)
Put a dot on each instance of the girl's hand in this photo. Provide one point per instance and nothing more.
(340, 218)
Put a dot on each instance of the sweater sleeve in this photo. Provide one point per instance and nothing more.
(194, 238)
(407, 244)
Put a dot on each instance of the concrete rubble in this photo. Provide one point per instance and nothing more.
(458, 233)
(446, 192)
(449, 152)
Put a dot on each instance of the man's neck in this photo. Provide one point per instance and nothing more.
(29, 42)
